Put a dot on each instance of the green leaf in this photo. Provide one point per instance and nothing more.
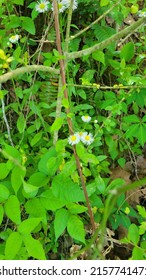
(16, 178)
(114, 185)
(69, 167)
(65, 189)
(35, 208)
(52, 165)
(99, 56)
(60, 222)
(143, 245)
(57, 124)
(142, 228)
(30, 190)
(138, 254)
(36, 138)
(82, 107)
(21, 123)
(80, 150)
(38, 179)
(65, 102)
(4, 171)
(131, 119)
(12, 209)
(123, 220)
(12, 152)
(88, 75)
(132, 131)
(121, 162)
(13, 245)
(50, 202)
(43, 163)
(1, 213)
(91, 188)
(27, 226)
(141, 132)
(75, 228)
(18, 2)
(104, 3)
(141, 211)
(76, 208)
(100, 185)
(34, 247)
(4, 193)
(96, 201)
(28, 25)
(104, 32)
(133, 234)
(127, 52)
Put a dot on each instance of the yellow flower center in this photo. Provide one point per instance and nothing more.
(13, 37)
(87, 137)
(73, 138)
(42, 6)
(86, 117)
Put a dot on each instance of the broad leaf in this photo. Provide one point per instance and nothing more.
(138, 254)
(4, 193)
(104, 3)
(27, 226)
(18, 2)
(36, 138)
(131, 119)
(141, 132)
(76, 208)
(50, 202)
(133, 234)
(132, 131)
(12, 209)
(99, 56)
(34, 247)
(57, 124)
(21, 123)
(28, 25)
(100, 185)
(38, 179)
(29, 189)
(16, 178)
(4, 171)
(75, 228)
(43, 163)
(13, 245)
(127, 52)
(60, 222)
(65, 189)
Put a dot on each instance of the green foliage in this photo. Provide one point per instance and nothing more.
(42, 201)
(136, 237)
(13, 245)
(12, 209)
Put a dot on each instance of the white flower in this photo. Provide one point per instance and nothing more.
(64, 4)
(86, 138)
(42, 6)
(80, 134)
(74, 139)
(14, 39)
(95, 121)
(86, 118)
(141, 14)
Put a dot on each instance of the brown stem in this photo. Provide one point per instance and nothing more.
(84, 188)
(69, 121)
